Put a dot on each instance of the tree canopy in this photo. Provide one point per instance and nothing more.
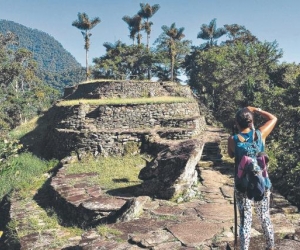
(170, 43)
(146, 12)
(211, 33)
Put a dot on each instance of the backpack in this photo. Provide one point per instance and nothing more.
(252, 176)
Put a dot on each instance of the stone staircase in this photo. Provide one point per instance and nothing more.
(69, 213)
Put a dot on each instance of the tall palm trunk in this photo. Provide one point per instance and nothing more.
(86, 65)
(148, 35)
(172, 57)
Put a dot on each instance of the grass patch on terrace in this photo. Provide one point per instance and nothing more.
(113, 172)
(25, 128)
(124, 101)
(25, 173)
(44, 222)
(113, 80)
(106, 231)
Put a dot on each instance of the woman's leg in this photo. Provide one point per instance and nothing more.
(262, 209)
(245, 210)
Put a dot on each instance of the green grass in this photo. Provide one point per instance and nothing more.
(25, 128)
(25, 172)
(106, 231)
(41, 222)
(113, 172)
(112, 80)
(124, 101)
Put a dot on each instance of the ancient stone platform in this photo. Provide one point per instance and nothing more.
(88, 124)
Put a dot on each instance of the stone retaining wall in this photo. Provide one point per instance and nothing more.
(125, 89)
(61, 142)
(110, 117)
(112, 129)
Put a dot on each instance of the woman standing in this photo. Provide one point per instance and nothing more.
(245, 124)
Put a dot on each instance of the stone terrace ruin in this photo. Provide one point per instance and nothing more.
(118, 117)
(109, 129)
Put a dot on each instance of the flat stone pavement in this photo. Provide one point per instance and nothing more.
(204, 222)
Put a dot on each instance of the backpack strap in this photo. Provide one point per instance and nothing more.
(245, 161)
(256, 142)
(256, 136)
(241, 138)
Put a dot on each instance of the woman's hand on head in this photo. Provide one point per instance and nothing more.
(252, 109)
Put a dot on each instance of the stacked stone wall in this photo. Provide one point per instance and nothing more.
(109, 129)
(107, 143)
(63, 142)
(106, 130)
(110, 117)
(125, 89)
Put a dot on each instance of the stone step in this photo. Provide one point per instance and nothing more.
(37, 227)
(83, 203)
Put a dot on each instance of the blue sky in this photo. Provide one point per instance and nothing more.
(269, 20)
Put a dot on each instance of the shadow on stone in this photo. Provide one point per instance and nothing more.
(131, 191)
(7, 241)
(173, 172)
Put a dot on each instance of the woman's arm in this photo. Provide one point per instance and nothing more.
(269, 125)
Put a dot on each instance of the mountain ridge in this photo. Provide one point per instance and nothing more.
(41, 44)
(57, 67)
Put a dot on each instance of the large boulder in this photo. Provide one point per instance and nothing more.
(173, 172)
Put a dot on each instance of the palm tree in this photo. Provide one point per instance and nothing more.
(130, 21)
(170, 38)
(146, 12)
(85, 24)
(135, 26)
(211, 33)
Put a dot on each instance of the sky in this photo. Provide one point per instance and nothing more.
(268, 20)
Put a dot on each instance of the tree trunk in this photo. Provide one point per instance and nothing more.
(86, 64)
(172, 52)
(148, 38)
(172, 69)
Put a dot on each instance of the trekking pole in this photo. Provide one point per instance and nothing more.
(234, 201)
(235, 221)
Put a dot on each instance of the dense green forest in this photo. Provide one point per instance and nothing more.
(239, 71)
(47, 52)
(55, 66)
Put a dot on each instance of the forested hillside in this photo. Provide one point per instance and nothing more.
(55, 66)
(47, 52)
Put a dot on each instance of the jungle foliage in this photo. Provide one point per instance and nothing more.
(47, 52)
(54, 63)
(235, 75)
(22, 94)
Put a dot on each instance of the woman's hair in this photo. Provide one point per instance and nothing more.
(244, 118)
